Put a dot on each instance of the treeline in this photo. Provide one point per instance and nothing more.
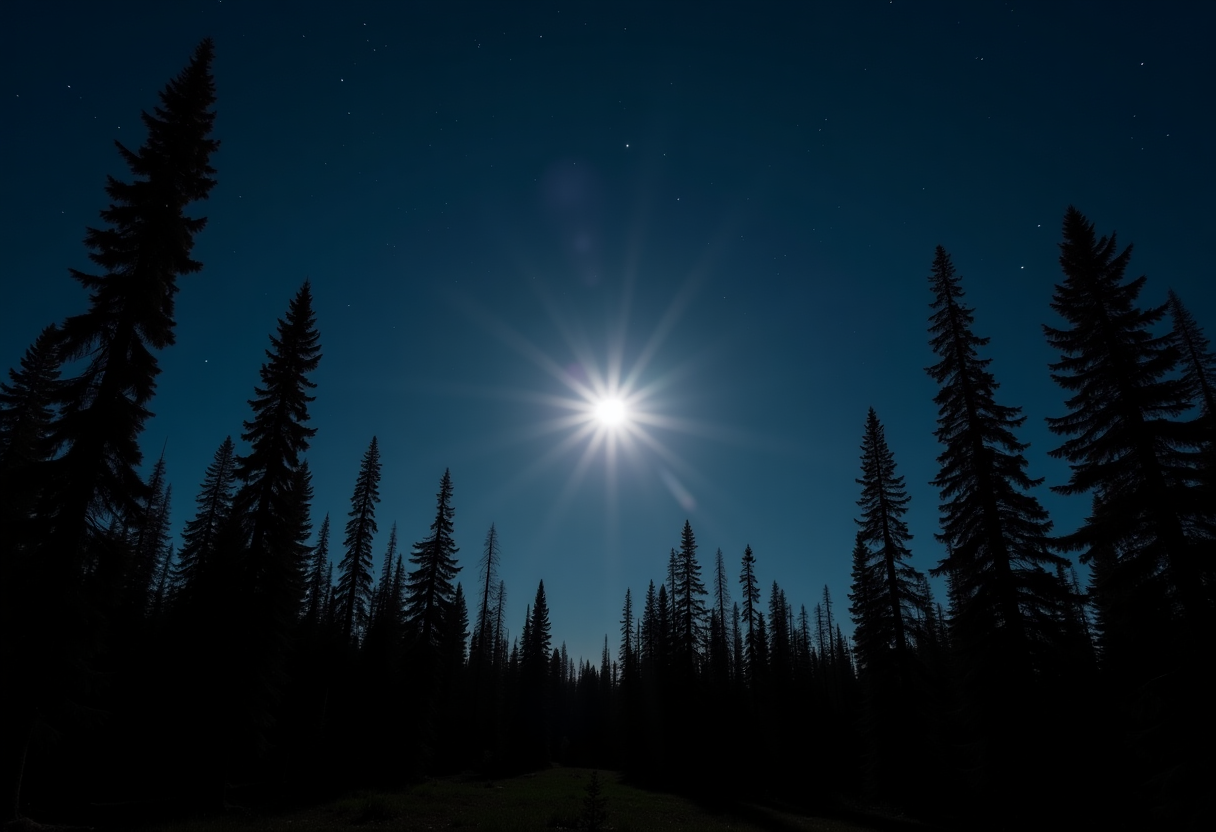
(139, 669)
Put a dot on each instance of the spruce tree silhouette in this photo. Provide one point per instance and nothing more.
(26, 415)
(269, 506)
(429, 589)
(688, 606)
(355, 570)
(149, 542)
(1129, 450)
(753, 619)
(201, 535)
(887, 605)
(26, 412)
(143, 251)
(1007, 604)
(318, 577)
(270, 525)
(1198, 359)
(627, 654)
(1199, 377)
(719, 644)
(481, 656)
(884, 533)
(384, 586)
(94, 483)
(1148, 535)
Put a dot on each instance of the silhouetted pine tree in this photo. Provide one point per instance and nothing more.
(719, 644)
(534, 673)
(429, 587)
(753, 619)
(1199, 377)
(385, 585)
(149, 541)
(144, 249)
(164, 572)
(1198, 360)
(1153, 574)
(500, 624)
(319, 577)
(25, 448)
(688, 605)
(884, 534)
(628, 651)
(452, 722)
(736, 651)
(871, 638)
(1006, 601)
(355, 580)
(780, 650)
(271, 518)
(268, 504)
(1127, 447)
(662, 635)
(647, 646)
(887, 603)
(481, 653)
(201, 535)
(102, 410)
(25, 422)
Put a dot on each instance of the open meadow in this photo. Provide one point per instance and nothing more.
(553, 799)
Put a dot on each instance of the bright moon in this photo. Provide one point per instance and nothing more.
(610, 411)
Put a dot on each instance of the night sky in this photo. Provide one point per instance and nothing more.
(727, 211)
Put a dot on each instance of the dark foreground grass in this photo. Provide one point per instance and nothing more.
(546, 800)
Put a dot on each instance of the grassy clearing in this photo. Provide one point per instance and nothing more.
(546, 800)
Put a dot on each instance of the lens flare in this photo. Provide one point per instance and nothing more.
(610, 412)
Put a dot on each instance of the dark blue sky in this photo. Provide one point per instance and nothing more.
(739, 201)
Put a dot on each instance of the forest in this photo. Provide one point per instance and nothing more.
(271, 650)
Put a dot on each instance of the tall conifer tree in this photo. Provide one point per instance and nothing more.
(483, 633)
(753, 618)
(719, 647)
(688, 603)
(1198, 359)
(998, 533)
(355, 580)
(1199, 376)
(884, 535)
(269, 504)
(269, 530)
(429, 588)
(144, 249)
(149, 541)
(26, 413)
(385, 585)
(1127, 447)
(319, 577)
(200, 537)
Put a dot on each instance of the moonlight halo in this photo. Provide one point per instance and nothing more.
(611, 412)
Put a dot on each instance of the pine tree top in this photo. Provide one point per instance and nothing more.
(429, 587)
(279, 432)
(25, 403)
(884, 499)
(172, 169)
(1198, 359)
(1110, 358)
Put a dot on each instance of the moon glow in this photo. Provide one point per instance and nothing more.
(610, 412)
